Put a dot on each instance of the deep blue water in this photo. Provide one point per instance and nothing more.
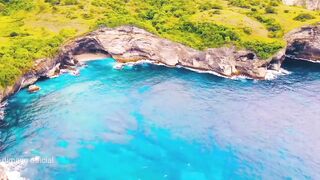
(152, 122)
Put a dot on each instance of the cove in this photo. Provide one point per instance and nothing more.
(153, 122)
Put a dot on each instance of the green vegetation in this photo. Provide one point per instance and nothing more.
(304, 17)
(263, 50)
(270, 10)
(33, 29)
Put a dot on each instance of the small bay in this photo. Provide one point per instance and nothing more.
(154, 122)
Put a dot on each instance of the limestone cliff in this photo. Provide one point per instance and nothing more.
(304, 43)
(309, 4)
(127, 44)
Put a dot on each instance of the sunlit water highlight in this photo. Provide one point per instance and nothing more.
(153, 122)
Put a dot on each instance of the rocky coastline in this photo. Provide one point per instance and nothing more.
(131, 44)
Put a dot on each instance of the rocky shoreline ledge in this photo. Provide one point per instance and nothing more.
(131, 44)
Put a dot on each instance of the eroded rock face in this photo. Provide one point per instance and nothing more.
(309, 4)
(130, 44)
(304, 43)
(42, 68)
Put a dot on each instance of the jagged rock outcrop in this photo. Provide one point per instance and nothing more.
(304, 43)
(309, 4)
(129, 44)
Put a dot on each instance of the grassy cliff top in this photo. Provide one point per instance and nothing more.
(32, 29)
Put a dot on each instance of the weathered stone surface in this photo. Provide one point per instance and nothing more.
(309, 4)
(33, 88)
(276, 60)
(127, 44)
(304, 43)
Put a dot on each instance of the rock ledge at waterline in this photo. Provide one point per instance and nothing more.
(130, 44)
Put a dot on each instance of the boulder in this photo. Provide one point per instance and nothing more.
(33, 88)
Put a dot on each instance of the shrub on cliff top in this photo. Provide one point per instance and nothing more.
(263, 50)
(12, 6)
(208, 6)
(274, 28)
(2, 7)
(212, 35)
(270, 10)
(304, 17)
(240, 3)
(8, 74)
(70, 2)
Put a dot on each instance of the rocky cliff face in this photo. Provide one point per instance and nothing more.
(309, 4)
(304, 43)
(127, 44)
(130, 44)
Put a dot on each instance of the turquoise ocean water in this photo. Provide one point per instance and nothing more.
(152, 122)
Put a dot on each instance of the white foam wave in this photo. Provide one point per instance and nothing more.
(75, 72)
(204, 72)
(272, 74)
(13, 169)
(2, 108)
(121, 65)
(118, 65)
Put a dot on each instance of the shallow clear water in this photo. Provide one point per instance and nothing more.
(152, 122)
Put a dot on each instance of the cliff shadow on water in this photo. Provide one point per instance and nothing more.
(305, 69)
